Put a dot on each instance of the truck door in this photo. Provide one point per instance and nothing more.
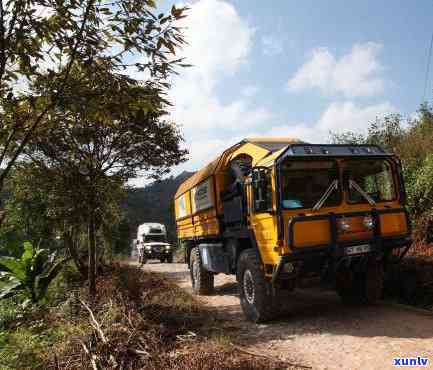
(262, 212)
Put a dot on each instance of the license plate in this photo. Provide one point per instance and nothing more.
(358, 249)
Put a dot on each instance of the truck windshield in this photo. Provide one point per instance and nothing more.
(305, 183)
(369, 180)
(154, 238)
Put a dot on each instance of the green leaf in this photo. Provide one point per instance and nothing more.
(10, 289)
(14, 267)
(28, 254)
(39, 261)
(44, 280)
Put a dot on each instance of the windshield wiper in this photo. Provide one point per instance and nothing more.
(354, 185)
(325, 196)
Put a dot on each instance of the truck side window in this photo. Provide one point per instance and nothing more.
(262, 190)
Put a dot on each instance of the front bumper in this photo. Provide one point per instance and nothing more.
(157, 254)
(336, 250)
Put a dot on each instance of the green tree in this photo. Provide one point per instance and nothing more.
(107, 129)
(28, 208)
(45, 205)
(51, 37)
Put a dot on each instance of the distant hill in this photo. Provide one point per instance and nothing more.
(154, 203)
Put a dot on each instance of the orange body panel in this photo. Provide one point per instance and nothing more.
(393, 224)
(311, 233)
(206, 223)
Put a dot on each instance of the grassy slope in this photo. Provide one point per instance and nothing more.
(141, 321)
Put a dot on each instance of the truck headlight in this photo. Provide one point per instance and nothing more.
(167, 248)
(343, 225)
(368, 222)
(148, 247)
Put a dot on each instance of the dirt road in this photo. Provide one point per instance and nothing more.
(318, 331)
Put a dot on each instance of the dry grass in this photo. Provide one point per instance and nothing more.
(142, 321)
(421, 249)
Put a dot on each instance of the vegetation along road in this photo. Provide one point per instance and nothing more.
(317, 330)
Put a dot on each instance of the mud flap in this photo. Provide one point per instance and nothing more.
(214, 258)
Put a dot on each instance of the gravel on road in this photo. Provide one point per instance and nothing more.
(317, 330)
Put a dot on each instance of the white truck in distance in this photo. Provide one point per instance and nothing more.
(152, 243)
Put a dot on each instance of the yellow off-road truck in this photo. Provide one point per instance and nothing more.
(277, 212)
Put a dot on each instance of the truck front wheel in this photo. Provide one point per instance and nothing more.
(202, 280)
(257, 301)
(361, 287)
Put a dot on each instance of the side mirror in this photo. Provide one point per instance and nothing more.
(262, 196)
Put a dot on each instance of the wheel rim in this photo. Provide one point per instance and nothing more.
(248, 287)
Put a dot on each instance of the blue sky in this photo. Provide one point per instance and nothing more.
(296, 68)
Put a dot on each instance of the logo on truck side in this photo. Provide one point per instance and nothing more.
(202, 196)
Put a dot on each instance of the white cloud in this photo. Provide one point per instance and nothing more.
(354, 74)
(211, 122)
(337, 117)
(271, 45)
(249, 91)
(219, 40)
(219, 45)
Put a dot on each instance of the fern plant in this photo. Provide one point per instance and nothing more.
(30, 275)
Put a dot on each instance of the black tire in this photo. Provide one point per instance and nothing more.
(201, 279)
(361, 287)
(345, 285)
(257, 301)
(372, 283)
(169, 259)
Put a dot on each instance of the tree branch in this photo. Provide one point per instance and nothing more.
(38, 119)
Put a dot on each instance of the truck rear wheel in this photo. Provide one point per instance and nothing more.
(202, 280)
(361, 287)
(257, 301)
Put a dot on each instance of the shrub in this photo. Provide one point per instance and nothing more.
(29, 275)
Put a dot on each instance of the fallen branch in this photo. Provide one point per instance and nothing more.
(141, 352)
(95, 323)
(189, 336)
(91, 355)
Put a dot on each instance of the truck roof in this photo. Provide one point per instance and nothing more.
(151, 228)
(266, 150)
(261, 146)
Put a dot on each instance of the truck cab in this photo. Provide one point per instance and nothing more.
(152, 243)
(281, 211)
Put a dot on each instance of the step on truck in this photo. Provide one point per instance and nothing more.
(152, 243)
(277, 212)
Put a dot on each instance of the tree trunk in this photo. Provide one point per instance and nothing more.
(92, 257)
(70, 245)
